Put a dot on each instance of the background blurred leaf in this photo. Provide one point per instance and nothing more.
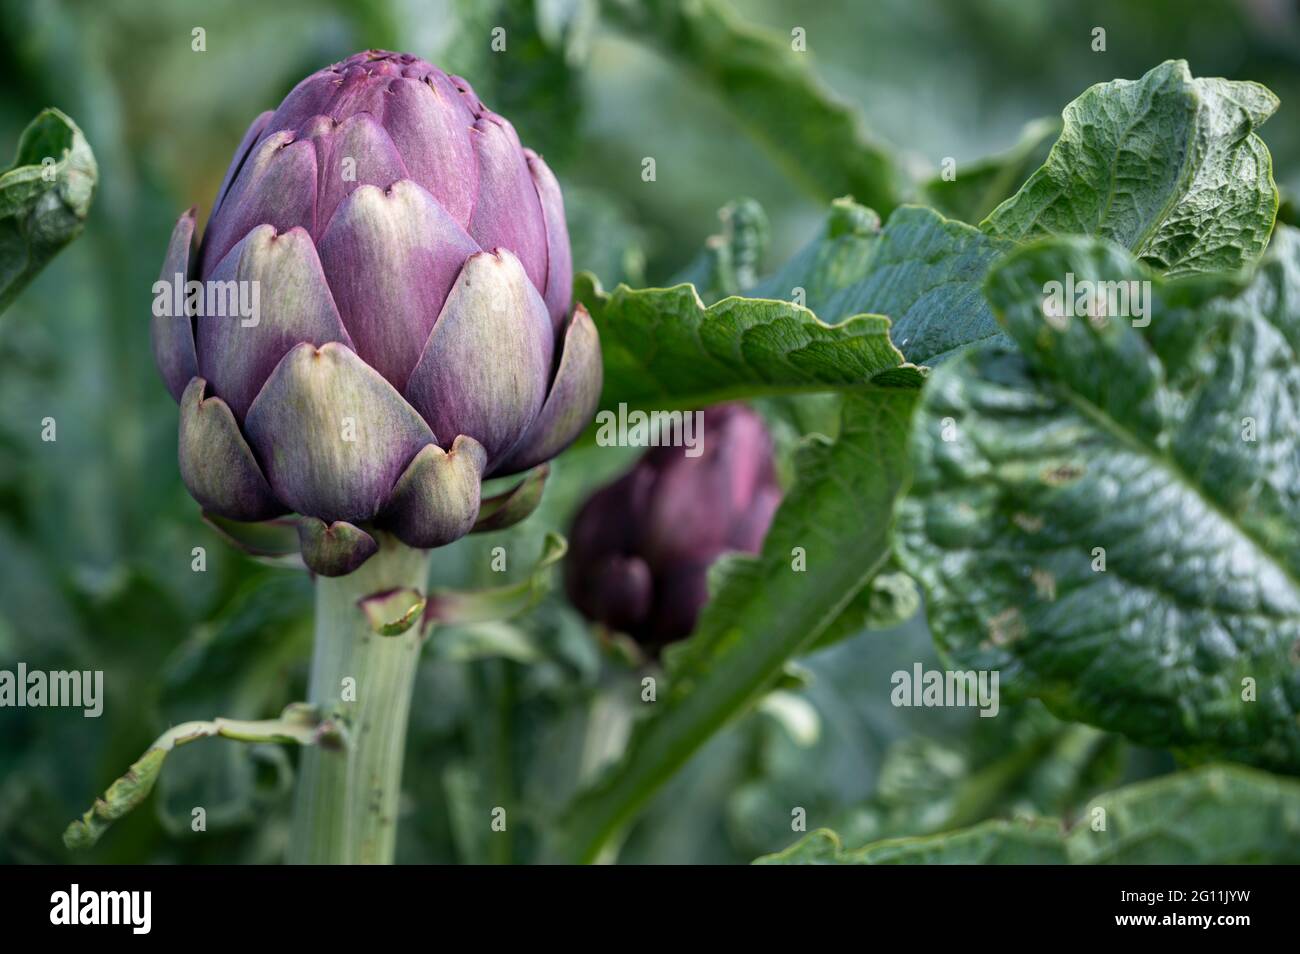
(44, 198)
(1213, 815)
(1025, 842)
(821, 141)
(891, 598)
(606, 241)
(240, 665)
(730, 261)
(979, 187)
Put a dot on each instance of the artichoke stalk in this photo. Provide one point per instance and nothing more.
(412, 333)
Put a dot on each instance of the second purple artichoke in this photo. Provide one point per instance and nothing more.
(640, 548)
(414, 330)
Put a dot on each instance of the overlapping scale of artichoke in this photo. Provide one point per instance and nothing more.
(415, 331)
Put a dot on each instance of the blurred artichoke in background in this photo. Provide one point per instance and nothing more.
(640, 548)
(408, 267)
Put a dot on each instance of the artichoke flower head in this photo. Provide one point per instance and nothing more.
(641, 547)
(378, 317)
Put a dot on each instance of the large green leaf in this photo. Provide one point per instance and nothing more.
(1168, 166)
(1207, 204)
(44, 199)
(663, 349)
(925, 274)
(764, 610)
(1110, 515)
(1214, 815)
(819, 140)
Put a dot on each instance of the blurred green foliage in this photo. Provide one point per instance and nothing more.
(96, 531)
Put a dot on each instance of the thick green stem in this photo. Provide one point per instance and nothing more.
(346, 804)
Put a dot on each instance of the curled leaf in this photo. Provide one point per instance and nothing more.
(299, 723)
(498, 602)
(393, 612)
(44, 199)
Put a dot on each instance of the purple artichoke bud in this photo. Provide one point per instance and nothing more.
(397, 324)
(640, 548)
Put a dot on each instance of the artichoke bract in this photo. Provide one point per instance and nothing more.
(412, 330)
(640, 548)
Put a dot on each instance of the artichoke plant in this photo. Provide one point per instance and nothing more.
(414, 330)
(641, 547)
(379, 317)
